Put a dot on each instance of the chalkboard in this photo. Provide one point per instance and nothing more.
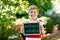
(31, 28)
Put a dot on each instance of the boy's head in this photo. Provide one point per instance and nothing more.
(33, 11)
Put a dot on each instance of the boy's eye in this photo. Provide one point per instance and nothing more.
(31, 12)
(34, 12)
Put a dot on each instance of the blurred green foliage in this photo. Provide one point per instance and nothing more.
(21, 6)
(49, 26)
(6, 20)
(55, 18)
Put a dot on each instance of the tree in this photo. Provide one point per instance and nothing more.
(49, 25)
(43, 5)
(14, 5)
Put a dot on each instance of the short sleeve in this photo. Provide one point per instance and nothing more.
(27, 21)
(40, 22)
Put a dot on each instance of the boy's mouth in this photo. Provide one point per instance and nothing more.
(33, 15)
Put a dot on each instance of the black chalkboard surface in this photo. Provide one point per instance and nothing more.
(31, 28)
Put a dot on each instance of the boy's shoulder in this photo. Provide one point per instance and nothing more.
(41, 22)
(27, 21)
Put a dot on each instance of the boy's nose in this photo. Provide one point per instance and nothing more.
(33, 13)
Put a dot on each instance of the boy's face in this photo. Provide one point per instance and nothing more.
(33, 13)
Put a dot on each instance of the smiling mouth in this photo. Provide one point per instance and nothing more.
(33, 15)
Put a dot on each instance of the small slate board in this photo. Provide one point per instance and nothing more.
(31, 28)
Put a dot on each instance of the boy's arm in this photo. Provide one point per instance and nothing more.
(42, 30)
(22, 29)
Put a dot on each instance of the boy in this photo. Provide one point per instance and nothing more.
(33, 13)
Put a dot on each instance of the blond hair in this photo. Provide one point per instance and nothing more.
(32, 7)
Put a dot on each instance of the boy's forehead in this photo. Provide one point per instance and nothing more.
(33, 10)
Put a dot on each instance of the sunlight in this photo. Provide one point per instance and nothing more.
(56, 5)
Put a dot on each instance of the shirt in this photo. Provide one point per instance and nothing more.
(41, 24)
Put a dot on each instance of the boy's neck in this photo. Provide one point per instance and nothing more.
(31, 19)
